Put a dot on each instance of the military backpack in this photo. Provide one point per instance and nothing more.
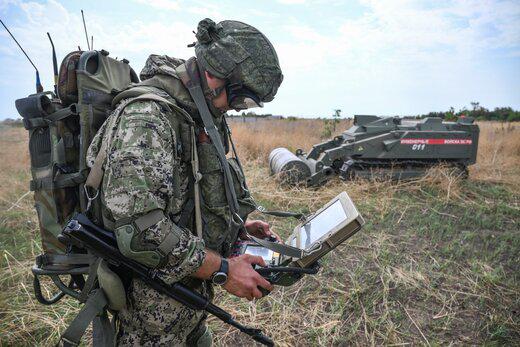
(61, 126)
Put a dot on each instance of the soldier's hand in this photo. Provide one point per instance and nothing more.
(260, 229)
(243, 281)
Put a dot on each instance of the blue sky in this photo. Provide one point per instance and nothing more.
(364, 57)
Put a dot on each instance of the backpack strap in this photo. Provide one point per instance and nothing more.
(197, 176)
(94, 306)
(95, 175)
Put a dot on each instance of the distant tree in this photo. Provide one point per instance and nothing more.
(335, 119)
(504, 114)
(330, 124)
(514, 117)
(450, 115)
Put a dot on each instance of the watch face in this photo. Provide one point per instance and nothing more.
(219, 278)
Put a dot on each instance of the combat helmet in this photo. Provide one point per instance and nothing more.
(243, 56)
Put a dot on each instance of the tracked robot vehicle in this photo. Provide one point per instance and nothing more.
(382, 147)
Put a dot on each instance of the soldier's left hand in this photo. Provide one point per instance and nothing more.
(259, 229)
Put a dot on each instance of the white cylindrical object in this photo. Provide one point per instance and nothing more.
(288, 167)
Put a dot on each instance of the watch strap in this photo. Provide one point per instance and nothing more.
(224, 266)
(224, 269)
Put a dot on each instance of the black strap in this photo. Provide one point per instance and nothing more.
(46, 259)
(281, 248)
(209, 126)
(186, 213)
(283, 214)
(62, 181)
(103, 330)
(71, 110)
(41, 122)
(94, 306)
(31, 123)
(91, 280)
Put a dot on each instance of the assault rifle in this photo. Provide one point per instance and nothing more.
(81, 232)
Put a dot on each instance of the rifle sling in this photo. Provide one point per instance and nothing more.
(191, 81)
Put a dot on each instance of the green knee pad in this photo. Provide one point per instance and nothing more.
(202, 339)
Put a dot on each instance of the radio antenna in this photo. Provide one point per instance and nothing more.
(92, 42)
(85, 27)
(54, 66)
(39, 87)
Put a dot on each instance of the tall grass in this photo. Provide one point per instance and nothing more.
(498, 149)
(258, 139)
(436, 263)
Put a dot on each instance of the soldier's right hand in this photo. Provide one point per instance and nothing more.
(243, 281)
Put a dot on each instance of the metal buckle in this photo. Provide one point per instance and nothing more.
(240, 220)
(72, 343)
(89, 198)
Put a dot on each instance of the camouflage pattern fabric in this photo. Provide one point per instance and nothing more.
(155, 320)
(143, 172)
(235, 49)
(148, 168)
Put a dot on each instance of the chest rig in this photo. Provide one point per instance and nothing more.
(225, 200)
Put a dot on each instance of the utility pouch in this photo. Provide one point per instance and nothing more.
(219, 230)
(51, 147)
(246, 203)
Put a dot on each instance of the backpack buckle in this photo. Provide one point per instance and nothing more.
(89, 197)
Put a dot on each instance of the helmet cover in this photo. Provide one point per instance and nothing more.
(241, 54)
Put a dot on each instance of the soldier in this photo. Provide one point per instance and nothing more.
(165, 190)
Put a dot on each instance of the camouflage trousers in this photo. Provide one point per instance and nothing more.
(153, 319)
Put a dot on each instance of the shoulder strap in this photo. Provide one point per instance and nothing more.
(195, 90)
(95, 306)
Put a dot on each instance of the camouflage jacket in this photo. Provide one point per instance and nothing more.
(148, 168)
(144, 172)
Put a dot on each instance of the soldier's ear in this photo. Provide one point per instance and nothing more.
(213, 82)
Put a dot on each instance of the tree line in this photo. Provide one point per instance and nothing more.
(504, 114)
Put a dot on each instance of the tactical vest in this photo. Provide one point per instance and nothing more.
(219, 229)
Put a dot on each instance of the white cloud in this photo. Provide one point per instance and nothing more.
(406, 34)
(6, 3)
(395, 55)
(168, 5)
(207, 10)
(291, 2)
(399, 50)
(134, 41)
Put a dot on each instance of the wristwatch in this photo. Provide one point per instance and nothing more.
(220, 277)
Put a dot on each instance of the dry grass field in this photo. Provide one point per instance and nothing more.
(438, 262)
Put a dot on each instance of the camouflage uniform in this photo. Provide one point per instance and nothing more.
(144, 172)
(148, 169)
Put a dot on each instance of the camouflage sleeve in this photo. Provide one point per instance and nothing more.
(139, 178)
